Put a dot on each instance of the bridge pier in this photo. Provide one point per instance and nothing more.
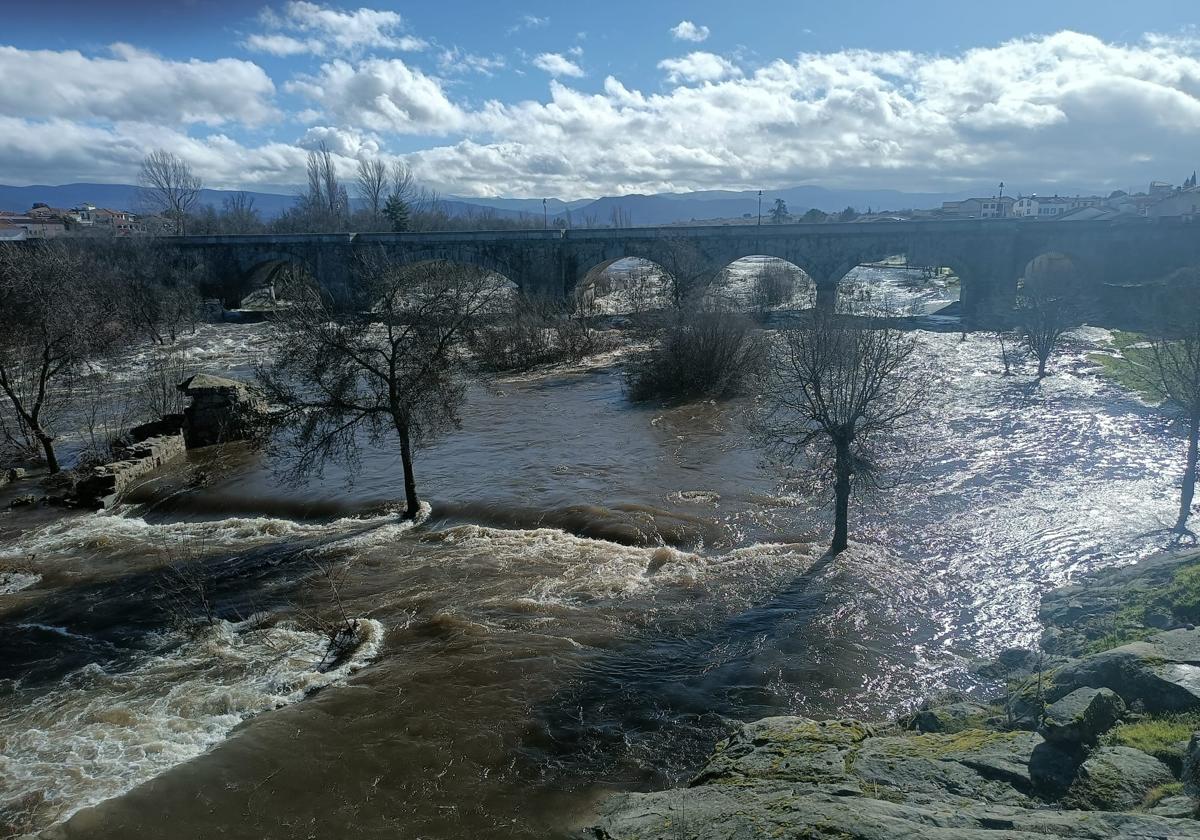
(827, 296)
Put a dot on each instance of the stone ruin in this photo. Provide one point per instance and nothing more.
(222, 410)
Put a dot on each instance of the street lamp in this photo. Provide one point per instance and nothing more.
(545, 215)
(1000, 203)
(760, 208)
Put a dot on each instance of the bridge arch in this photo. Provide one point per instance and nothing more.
(271, 278)
(626, 285)
(762, 282)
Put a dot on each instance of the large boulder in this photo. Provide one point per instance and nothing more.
(951, 718)
(1161, 674)
(785, 748)
(974, 764)
(779, 809)
(1191, 767)
(222, 410)
(1082, 716)
(1116, 779)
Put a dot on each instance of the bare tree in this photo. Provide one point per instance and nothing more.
(1047, 307)
(239, 215)
(54, 319)
(402, 182)
(372, 184)
(156, 292)
(687, 272)
(835, 386)
(325, 204)
(1175, 369)
(391, 365)
(169, 187)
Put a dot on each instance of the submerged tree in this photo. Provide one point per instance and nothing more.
(1174, 362)
(834, 386)
(389, 364)
(54, 318)
(1047, 306)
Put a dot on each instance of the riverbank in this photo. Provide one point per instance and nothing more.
(1091, 737)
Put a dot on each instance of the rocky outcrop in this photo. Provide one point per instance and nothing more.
(1117, 779)
(1159, 674)
(794, 777)
(1110, 757)
(222, 410)
(146, 449)
(953, 717)
(1081, 717)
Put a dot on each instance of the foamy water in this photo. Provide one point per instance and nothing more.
(99, 734)
(593, 592)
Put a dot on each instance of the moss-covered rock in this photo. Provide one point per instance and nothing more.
(1082, 716)
(1116, 779)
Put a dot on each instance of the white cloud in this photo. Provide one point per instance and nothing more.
(380, 95)
(282, 45)
(304, 27)
(556, 64)
(698, 67)
(454, 60)
(1037, 112)
(341, 141)
(528, 22)
(131, 84)
(685, 30)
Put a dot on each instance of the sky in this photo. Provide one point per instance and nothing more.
(577, 100)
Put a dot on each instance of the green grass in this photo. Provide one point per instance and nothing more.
(1127, 626)
(1158, 794)
(1163, 736)
(1132, 367)
(1182, 597)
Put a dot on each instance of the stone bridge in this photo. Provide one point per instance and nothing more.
(989, 256)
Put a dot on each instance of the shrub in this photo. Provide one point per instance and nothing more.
(536, 332)
(702, 355)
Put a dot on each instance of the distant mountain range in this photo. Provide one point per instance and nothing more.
(660, 209)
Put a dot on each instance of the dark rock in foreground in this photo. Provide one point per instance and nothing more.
(1117, 779)
(1106, 761)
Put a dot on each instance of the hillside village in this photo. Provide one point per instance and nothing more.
(1160, 200)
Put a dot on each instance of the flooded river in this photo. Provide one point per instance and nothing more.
(595, 593)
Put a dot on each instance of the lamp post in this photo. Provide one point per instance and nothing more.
(1000, 204)
(760, 208)
(545, 215)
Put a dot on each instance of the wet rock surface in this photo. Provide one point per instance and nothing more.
(1105, 760)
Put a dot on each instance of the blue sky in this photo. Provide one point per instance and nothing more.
(581, 99)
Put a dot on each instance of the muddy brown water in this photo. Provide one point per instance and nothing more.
(597, 594)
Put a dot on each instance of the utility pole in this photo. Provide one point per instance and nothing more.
(545, 215)
(1000, 204)
(760, 208)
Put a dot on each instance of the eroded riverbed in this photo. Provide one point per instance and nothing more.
(597, 590)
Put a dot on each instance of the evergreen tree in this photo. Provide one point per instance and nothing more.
(396, 211)
(779, 213)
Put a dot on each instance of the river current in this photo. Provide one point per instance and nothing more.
(594, 595)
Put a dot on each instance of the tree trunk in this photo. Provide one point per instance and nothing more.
(48, 448)
(1041, 367)
(412, 503)
(1189, 475)
(841, 490)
